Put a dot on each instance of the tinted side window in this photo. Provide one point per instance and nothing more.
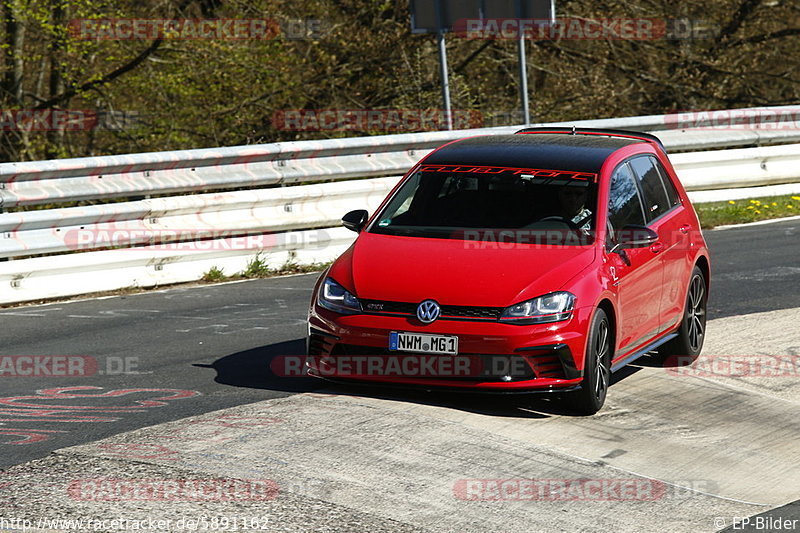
(655, 196)
(624, 204)
(672, 194)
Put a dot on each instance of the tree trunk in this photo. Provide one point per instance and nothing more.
(55, 139)
(14, 59)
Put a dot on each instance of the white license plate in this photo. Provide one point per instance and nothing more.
(423, 343)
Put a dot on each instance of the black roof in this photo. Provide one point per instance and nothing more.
(580, 153)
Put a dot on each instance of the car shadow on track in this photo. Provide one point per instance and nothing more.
(264, 368)
(252, 369)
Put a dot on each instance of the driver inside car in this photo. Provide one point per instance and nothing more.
(572, 206)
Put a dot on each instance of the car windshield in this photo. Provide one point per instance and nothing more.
(493, 204)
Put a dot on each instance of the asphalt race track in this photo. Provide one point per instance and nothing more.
(173, 385)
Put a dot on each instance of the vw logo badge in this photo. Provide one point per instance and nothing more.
(428, 311)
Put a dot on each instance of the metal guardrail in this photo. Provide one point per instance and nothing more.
(744, 167)
(181, 218)
(140, 242)
(286, 163)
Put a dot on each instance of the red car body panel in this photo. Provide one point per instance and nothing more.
(387, 267)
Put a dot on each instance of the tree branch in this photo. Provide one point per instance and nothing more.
(103, 80)
(786, 32)
(746, 8)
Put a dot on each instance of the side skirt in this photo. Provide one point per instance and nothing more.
(636, 355)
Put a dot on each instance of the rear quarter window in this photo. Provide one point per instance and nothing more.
(654, 193)
(672, 193)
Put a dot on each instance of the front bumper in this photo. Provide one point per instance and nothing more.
(494, 356)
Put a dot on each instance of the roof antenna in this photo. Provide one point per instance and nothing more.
(573, 130)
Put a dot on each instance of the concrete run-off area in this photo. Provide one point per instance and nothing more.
(675, 449)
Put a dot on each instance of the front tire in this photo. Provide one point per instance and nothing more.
(597, 367)
(692, 331)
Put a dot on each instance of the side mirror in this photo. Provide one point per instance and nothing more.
(355, 220)
(634, 236)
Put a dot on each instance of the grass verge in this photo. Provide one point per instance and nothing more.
(258, 268)
(751, 210)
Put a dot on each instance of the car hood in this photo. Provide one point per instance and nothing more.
(456, 272)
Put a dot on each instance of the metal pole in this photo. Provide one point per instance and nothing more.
(523, 69)
(445, 79)
(448, 115)
(523, 80)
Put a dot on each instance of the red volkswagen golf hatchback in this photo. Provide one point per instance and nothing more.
(536, 262)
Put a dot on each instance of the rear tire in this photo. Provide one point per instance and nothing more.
(692, 331)
(597, 367)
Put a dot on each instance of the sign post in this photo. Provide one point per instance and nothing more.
(439, 16)
(443, 74)
(523, 69)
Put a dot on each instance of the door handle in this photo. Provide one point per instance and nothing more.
(685, 228)
(657, 247)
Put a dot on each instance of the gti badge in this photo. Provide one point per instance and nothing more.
(428, 311)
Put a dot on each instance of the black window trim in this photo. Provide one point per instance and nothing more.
(626, 162)
(641, 192)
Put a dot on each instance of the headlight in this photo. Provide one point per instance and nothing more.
(334, 297)
(552, 307)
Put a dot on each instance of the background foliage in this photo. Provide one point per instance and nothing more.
(204, 93)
